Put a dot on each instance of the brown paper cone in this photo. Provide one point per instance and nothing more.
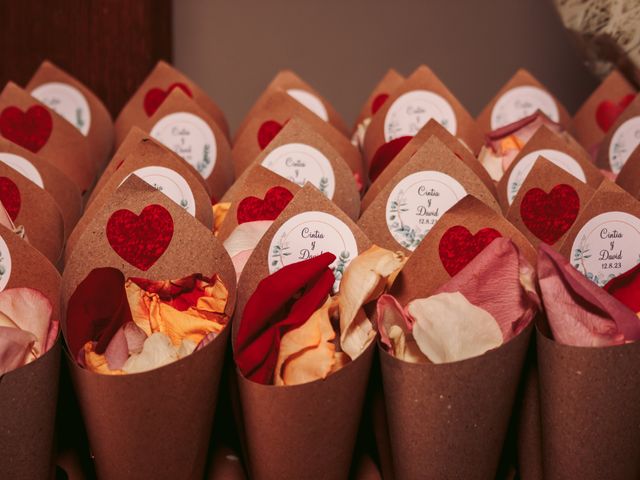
(163, 77)
(391, 80)
(100, 133)
(157, 423)
(450, 420)
(62, 189)
(618, 144)
(590, 410)
(287, 81)
(584, 126)
(65, 147)
(629, 176)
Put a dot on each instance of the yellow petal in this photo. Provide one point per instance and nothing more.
(220, 211)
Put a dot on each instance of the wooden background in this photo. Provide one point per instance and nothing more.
(110, 45)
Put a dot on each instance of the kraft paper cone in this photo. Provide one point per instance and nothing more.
(431, 129)
(225, 465)
(199, 130)
(558, 149)
(590, 410)
(54, 139)
(502, 109)
(311, 154)
(28, 395)
(69, 97)
(157, 423)
(161, 81)
(584, 126)
(278, 109)
(290, 83)
(31, 207)
(45, 175)
(450, 420)
(379, 94)
(405, 116)
(621, 139)
(629, 176)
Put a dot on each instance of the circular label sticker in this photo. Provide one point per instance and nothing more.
(5, 264)
(417, 202)
(300, 163)
(22, 166)
(310, 101)
(190, 137)
(169, 182)
(308, 235)
(66, 101)
(411, 110)
(520, 102)
(525, 164)
(623, 142)
(607, 246)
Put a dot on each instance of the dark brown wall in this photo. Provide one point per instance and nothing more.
(110, 45)
(343, 47)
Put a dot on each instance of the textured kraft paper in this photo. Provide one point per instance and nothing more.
(283, 81)
(168, 410)
(584, 126)
(546, 139)
(60, 187)
(154, 155)
(545, 175)
(431, 129)
(519, 79)
(28, 395)
(422, 79)
(163, 76)
(66, 148)
(222, 174)
(254, 182)
(450, 420)
(433, 155)
(101, 133)
(602, 157)
(629, 176)
(296, 130)
(590, 410)
(608, 197)
(302, 431)
(425, 262)
(280, 107)
(39, 214)
(390, 81)
(139, 144)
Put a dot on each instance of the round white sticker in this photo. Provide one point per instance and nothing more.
(190, 137)
(411, 110)
(66, 101)
(5, 264)
(623, 142)
(310, 101)
(607, 246)
(301, 163)
(169, 182)
(525, 164)
(22, 166)
(417, 202)
(520, 102)
(308, 235)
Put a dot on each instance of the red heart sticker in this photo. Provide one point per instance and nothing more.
(275, 200)
(549, 216)
(30, 129)
(608, 111)
(378, 102)
(140, 239)
(385, 154)
(10, 197)
(155, 96)
(267, 131)
(458, 246)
